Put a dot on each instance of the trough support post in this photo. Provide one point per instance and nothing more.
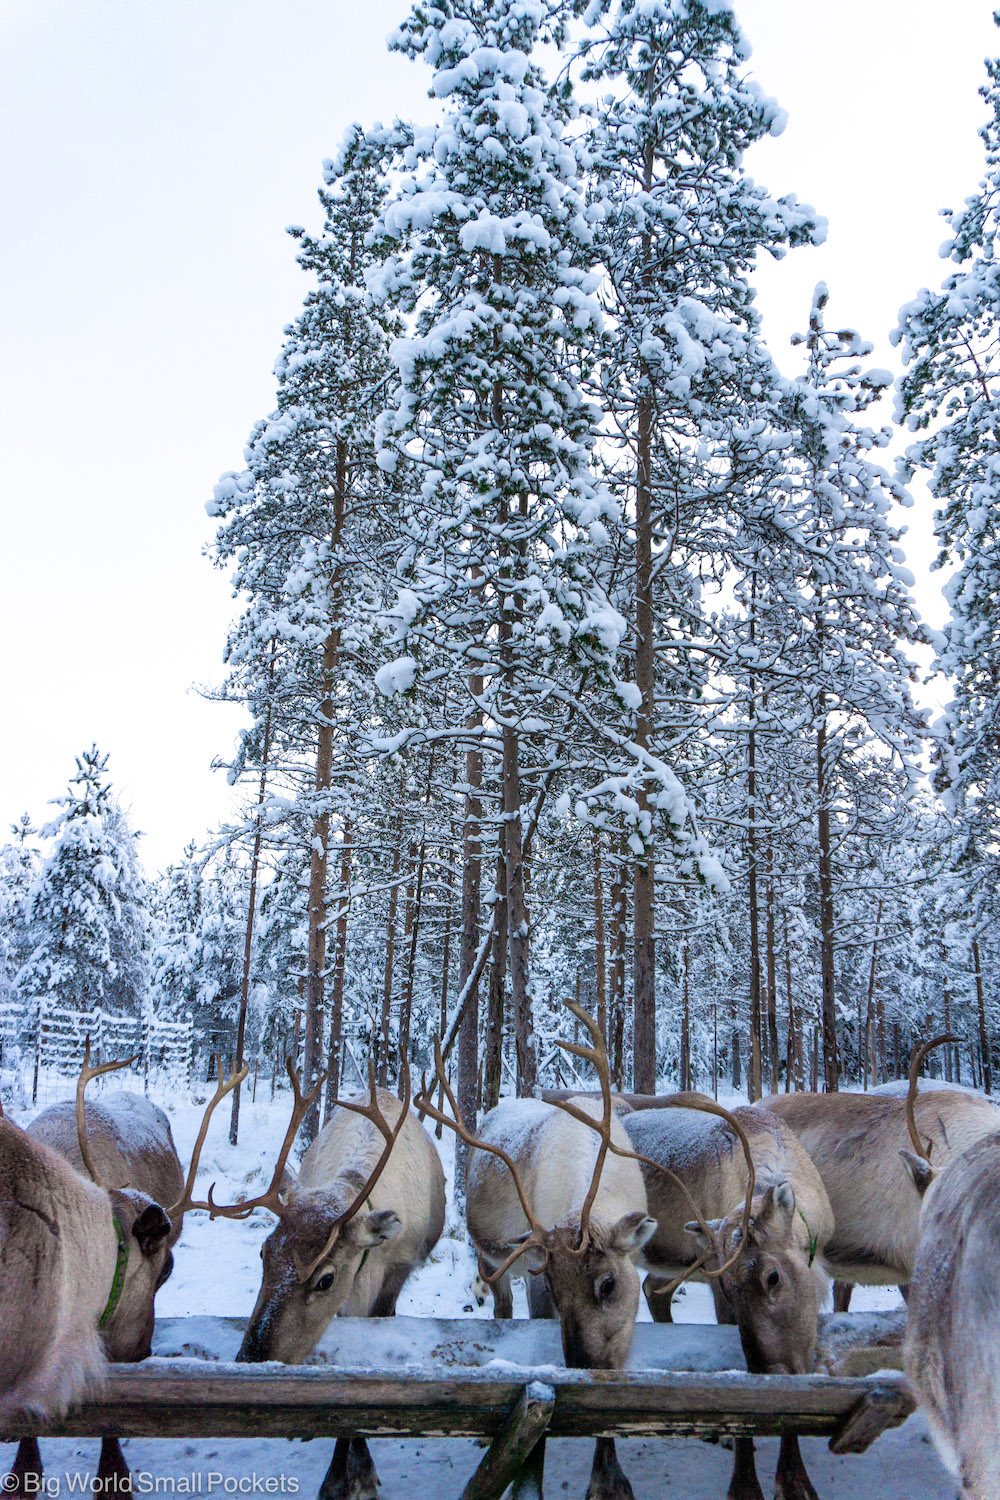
(870, 1416)
(512, 1453)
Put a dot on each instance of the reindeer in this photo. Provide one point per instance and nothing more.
(89, 1297)
(953, 1327)
(543, 1198)
(326, 1256)
(762, 1222)
(854, 1140)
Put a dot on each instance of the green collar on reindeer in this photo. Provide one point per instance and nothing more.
(813, 1239)
(121, 1266)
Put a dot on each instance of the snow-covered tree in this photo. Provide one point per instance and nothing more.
(950, 395)
(88, 908)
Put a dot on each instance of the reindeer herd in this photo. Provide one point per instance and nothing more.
(576, 1192)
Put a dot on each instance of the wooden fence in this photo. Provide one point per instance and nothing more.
(51, 1038)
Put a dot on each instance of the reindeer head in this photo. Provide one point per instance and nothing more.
(588, 1265)
(595, 1290)
(770, 1279)
(142, 1228)
(322, 1239)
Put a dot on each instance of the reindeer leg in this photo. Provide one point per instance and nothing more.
(112, 1469)
(607, 1478)
(27, 1461)
(791, 1482)
(744, 1484)
(528, 1479)
(540, 1304)
(384, 1305)
(842, 1295)
(503, 1298)
(658, 1302)
(351, 1475)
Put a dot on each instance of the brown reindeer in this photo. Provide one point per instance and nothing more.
(552, 1191)
(765, 1268)
(953, 1327)
(854, 1141)
(78, 1213)
(366, 1210)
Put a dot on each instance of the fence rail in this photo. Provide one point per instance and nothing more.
(45, 1039)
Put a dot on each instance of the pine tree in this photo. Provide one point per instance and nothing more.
(950, 395)
(506, 555)
(685, 377)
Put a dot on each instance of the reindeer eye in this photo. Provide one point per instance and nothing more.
(772, 1280)
(324, 1283)
(606, 1288)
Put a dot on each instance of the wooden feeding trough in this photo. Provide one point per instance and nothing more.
(429, 1377)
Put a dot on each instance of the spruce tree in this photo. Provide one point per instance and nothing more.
(88, 907)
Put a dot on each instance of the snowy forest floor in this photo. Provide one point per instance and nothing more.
(217, 1272)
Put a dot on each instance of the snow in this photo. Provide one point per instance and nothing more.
(216, 1276)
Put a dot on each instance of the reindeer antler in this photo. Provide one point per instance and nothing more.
(916, 1062)
(270, 1198)
(86, 1074)
(537, 1232)
(372, 1112)
(597, 1055)
(225, 1086)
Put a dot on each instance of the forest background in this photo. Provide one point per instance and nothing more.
(728, 847)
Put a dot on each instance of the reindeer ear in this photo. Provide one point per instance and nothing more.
(372, 1229)
(921, 1171)
(693, 1227)
(632, 1232)
(150, 1228)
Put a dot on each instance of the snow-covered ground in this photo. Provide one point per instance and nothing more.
(217, 1272)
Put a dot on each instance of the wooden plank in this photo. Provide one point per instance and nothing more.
(516, 1438)
(880, 1407)
(192, 1399)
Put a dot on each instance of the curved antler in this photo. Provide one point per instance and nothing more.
(597, 1055)
(225, 1086)
(86, 1074)
(270, 1198)
(537, 1231)
(372, 1112)
(916, 1062)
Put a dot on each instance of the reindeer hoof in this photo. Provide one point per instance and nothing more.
(607, 1478)
(351, 1475)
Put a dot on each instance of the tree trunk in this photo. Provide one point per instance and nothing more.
(407, 947)
(339, 962)
(984, 1038)
(468, 1035)
(773, 1050)
(241, 1025)
(870, 1059)
(685, 1070)
(316, 964)
(406, 1009)
(829, 1006)
(493, 1064)
(600, 983)
(616, 941)
(754, 1080)
(390, 955)
(644, 880)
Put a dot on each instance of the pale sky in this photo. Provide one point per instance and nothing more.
(154, 151)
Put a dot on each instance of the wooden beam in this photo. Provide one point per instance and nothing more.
(194, 1399)
(880, 1407)
(516, 1438)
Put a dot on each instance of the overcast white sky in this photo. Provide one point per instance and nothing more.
(153, 151)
